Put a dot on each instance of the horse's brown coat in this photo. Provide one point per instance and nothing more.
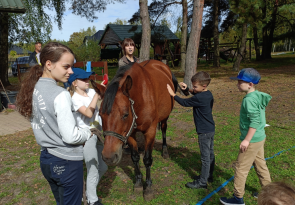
(152, 104)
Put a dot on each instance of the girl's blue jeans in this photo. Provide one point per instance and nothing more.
(65, 178)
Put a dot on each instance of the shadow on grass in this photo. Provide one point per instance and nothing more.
(187, 159)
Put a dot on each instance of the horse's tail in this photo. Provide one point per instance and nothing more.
(176, 85)
(175, 82)
(159, 126)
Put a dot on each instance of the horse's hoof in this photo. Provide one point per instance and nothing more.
(138, 188)
(148, 194)
(165, 153)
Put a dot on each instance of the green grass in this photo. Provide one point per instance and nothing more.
(185, 161)
(22, 181)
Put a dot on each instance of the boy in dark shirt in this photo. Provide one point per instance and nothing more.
(202, 103)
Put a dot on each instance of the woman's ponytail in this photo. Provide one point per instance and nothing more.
(52, 52)
(25, 95)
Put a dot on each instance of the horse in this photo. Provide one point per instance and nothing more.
(136, 100)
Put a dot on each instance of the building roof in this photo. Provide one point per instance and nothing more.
(117, 33)
(12, 6)
(98, 35)
(94, 37)
(18, 49)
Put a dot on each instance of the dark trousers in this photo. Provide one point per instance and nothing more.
(206, 144)
(65, 178)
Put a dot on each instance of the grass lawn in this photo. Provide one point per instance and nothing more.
(22, 181)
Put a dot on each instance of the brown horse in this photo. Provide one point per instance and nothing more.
(136, 100)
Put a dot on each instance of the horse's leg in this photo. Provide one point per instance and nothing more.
(138, 186)
(148, 160)
(165, 153)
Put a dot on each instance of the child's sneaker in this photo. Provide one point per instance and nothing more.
(196, 185)
(197, 177)
(232, 201)
(255, 195)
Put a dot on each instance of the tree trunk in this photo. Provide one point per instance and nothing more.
(191, 59)
(241, 49)
(264, 42)
(257, 49)
(269, 28)
(272, 29)
(4, 48)
(216, 58)
(183, 34)
(146, 31)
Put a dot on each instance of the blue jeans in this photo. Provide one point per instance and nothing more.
(65, 178)
(206, 144)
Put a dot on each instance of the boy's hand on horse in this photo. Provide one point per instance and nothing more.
(171, 92)
(183, 86)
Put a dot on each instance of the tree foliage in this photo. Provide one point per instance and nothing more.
(267, 18)
(223, 12)
(89, 52)
(36, 24)
(76, 38)
(118, 21)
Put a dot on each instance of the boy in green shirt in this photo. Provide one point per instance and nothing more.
(252, 123)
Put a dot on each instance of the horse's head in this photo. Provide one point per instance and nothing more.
(117, 119)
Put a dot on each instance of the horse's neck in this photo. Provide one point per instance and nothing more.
(140, 81)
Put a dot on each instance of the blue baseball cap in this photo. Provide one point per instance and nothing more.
(249, 75)
(79, 74)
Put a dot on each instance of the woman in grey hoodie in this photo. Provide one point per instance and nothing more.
(49, 108)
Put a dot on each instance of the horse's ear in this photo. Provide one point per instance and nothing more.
(99, 89)
(126, 86)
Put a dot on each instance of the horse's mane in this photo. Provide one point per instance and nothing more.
(112, 89)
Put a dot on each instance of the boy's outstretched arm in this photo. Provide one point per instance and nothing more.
(171, 92)
(189, 102)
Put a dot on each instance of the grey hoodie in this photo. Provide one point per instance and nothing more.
(53, 122)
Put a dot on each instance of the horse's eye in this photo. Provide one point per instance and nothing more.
(125, 116)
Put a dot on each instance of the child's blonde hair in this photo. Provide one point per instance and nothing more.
(277, 193)
(72, 88)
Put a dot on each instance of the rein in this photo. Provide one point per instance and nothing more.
(133, 126)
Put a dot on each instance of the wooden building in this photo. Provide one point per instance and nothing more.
(161, 40)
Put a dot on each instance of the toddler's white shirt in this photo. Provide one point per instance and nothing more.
(82, 120)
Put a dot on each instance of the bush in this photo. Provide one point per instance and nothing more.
(89, 52)
(13, 53)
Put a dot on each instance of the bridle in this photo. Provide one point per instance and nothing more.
(133, 126)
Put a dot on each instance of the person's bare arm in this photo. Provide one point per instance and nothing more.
(89, 111)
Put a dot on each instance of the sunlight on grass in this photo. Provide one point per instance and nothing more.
(23, 182)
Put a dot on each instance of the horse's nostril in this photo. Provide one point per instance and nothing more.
(116, 157)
